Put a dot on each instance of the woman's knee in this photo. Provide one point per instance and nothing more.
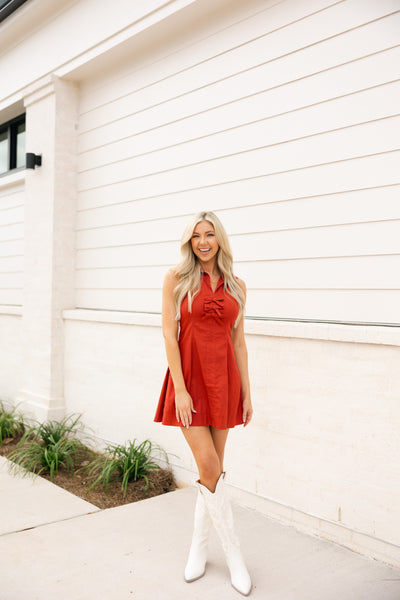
(209, 466)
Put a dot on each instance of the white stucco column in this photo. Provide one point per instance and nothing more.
(51, 130)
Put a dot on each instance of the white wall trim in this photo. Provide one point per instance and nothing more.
(13, 178)
(364, 334)
(161, 12)
(39, 89)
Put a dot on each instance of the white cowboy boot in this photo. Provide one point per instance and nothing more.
(196, 563)
(220, 510)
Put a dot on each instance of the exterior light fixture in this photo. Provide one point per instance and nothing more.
(33, 160)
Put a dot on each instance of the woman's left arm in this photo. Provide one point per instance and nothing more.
(240, 350)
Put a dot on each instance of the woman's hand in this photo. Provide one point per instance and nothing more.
(184, 408)
(247, 412)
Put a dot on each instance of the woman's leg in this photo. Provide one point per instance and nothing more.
(207, 445)
(219, 437)
(208, 451)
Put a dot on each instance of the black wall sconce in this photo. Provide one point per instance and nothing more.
(33, 160)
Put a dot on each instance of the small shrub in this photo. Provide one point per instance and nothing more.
(124, 463)
(47, 447)
(11, 424)
(52, 432)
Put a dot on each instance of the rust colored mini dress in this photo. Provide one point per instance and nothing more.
(208, 361)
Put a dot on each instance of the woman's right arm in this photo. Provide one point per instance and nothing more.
(183, 400)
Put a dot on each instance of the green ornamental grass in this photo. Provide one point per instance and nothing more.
(47, 447)
(11, 423)
(124, 463)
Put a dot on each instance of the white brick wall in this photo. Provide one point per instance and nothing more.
(322, 450)
(10, 353)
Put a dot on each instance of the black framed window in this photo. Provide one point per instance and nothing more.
(12, 145)
(7, 7)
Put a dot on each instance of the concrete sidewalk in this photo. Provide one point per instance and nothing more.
(74, 551)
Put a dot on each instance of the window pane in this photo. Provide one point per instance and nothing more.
(21, 145)
(3, 152)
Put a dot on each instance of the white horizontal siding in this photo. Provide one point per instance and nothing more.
(344, 176)
(125, 255)
(359, 272)
(321, 41)
(323, 240)
(140, 300)
(339, 208)
(327, 305)
(263, 80)
(286, 122)
(11, 244)
(201, 43)
(166, 174)
(169, 145)
(380, 237)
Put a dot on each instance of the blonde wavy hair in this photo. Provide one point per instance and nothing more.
(188, 271)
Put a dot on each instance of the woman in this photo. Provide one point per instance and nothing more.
(206, 389)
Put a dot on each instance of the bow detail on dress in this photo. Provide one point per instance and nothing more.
(213, 306)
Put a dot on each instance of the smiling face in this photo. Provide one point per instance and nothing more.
(204, 242)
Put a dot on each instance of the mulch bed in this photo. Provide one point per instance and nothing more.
(160, 482)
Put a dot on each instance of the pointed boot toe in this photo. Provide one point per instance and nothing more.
(240, 578)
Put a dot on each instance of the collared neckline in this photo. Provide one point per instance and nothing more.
(220, 280)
